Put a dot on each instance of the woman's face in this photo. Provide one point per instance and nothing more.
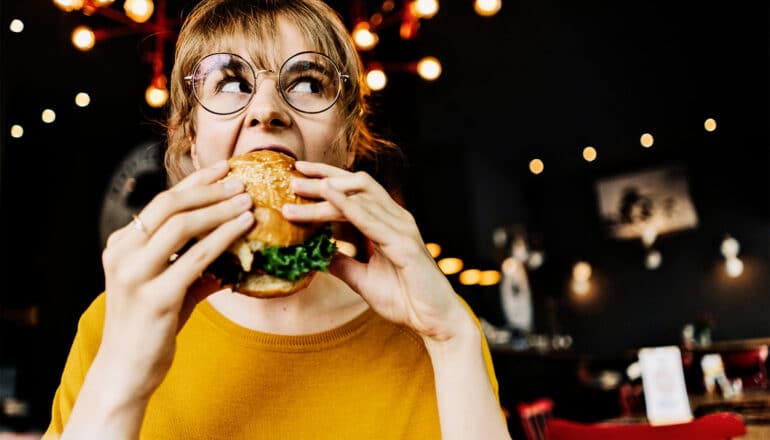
(269, 122)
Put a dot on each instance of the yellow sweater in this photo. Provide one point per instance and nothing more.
(368, 379)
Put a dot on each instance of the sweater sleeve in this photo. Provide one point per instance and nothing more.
(82, 353)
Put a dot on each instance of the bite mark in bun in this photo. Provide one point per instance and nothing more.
(276, 257)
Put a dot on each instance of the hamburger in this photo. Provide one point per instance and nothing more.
(276, 257)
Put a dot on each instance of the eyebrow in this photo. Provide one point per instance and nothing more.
(303, 66)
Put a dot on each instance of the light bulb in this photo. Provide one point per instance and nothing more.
(376, 79)
(83, 38)
(139, 10)
(429, 68)
(156, 96)
(487, 8)
(734, 267)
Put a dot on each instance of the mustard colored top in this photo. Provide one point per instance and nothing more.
(367, 379)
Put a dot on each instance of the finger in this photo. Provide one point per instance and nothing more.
(205, 175)
(349, 270)
(319, 169)
(350, 183)
(191, 265)
(176, 200)
(180, 228)
(376, 226)
(312, 212)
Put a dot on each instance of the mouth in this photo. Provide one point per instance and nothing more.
(274, 147)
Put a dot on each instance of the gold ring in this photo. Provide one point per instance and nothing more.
(139, 225)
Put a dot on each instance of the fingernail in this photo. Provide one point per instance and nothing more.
(246, 217)
(234, 184)
(221, 165)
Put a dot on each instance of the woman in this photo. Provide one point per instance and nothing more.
(383, 349)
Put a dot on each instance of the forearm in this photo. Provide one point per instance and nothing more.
(468, 407)
(103, 411)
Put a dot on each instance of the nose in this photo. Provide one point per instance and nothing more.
(267, 108)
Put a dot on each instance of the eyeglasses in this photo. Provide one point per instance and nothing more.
(224, 83)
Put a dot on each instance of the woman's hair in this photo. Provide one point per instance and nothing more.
(218, 25)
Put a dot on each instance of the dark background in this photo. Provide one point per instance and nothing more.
(539, 79)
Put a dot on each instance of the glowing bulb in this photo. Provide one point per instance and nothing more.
(653, 259)
(48, 116)
(139, 10)
(734, 267)
(102, 2)
(536, 166)
(450, 266)
(535, 259)
(580, 287)
(589, 154)
(710, 124)
(581, 271)
(17, 131)
(156, 96)
(646, 140)
(470, 277)
(489, 278)
(425, 8)
(730, 247)
(68, 5)
(83, 38)
(376, 79)
(82, 99)
(364, 38)
(16, 25)
(487, 8)
(434, 249)
(429, 68)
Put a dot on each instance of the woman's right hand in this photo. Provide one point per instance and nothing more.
(148, 298)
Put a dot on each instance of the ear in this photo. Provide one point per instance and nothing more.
(351, 157)
(194, 154)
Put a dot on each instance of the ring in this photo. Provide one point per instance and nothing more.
(139, 225)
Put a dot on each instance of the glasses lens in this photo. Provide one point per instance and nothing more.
(223, 83)
(310, 82)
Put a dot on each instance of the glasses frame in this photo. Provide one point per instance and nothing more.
(342, 78)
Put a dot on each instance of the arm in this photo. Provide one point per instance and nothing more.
(402, 283)
(462, 375)
(148, 299)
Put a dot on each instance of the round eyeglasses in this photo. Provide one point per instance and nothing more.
(224, 83)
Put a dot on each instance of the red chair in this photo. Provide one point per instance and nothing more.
(534, 417)
(715, 426)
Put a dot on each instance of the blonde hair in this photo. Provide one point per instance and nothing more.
(214, 25)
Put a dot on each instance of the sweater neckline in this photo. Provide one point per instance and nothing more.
(290, 343)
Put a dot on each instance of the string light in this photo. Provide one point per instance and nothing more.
(589, 154)
(450, 266)
(16, 25)
(48, 116)
(139, 10)
(425, 8)
(83, 38)
(429, 68)
(646, 140)
(710, 124)
(69, 5)
(487, 8)
(376, 79)
(469, 277)
(17, 131)
(364, 38)
(434, 249)
(82, 99)
(536, 166)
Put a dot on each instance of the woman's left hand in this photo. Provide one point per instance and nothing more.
(401, 281)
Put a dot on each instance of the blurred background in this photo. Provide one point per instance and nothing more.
(595, 174)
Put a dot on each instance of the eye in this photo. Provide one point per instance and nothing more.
(233, 85)
(306, 84)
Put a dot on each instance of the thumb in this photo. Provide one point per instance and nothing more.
(349, 270)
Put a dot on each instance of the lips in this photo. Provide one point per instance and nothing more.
(274, 147)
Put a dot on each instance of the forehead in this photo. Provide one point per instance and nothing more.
(265, 47)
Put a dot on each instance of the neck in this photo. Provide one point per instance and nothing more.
(323, 305)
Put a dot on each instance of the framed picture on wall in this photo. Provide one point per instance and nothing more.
(656, 200)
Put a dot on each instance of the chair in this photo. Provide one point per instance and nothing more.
(534, 417)
(715, 426)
